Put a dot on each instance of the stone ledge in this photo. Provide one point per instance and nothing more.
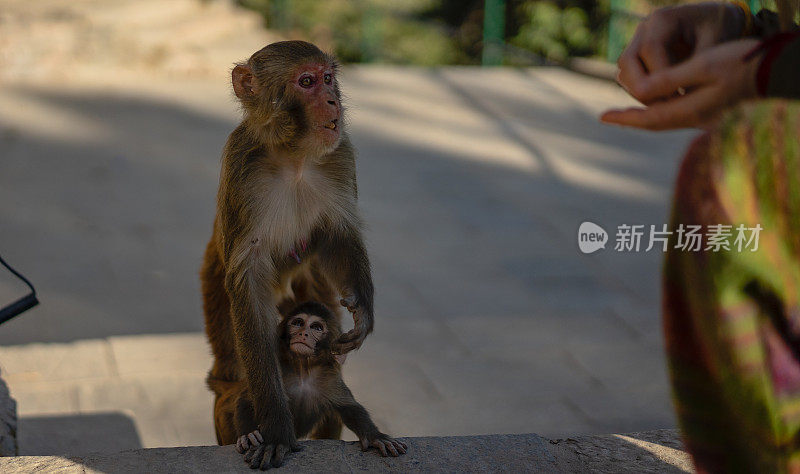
(8, 422)
(648, 451)
(652, 451)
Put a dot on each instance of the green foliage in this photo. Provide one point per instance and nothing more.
(431, 32)
(335, 25)
(554, 32)
(365, 30)
(417, 43)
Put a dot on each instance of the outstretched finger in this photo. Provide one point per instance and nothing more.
(400, 446)
(686, 111)
(381, 447)
(392, 450)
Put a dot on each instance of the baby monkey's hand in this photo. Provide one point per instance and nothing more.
(387, 445)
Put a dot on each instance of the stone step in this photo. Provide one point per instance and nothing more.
(653, 451)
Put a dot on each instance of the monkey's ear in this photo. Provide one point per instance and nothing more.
(245, 85)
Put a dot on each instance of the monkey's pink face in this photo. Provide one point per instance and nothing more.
(305, 331)
(315, 83)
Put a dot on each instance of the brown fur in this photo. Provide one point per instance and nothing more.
(319, 399)
(284, 182)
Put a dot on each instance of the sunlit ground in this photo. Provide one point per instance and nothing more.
(473, 183)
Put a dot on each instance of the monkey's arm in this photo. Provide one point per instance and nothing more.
(249, 278)
(344, 257)
(357, 419)
(254, 319)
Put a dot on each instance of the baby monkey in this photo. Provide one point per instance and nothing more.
(318, 397)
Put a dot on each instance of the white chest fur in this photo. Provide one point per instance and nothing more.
(292, 202)
(303, 390)
(304, 387)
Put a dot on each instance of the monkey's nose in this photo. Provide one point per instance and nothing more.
(332, 102)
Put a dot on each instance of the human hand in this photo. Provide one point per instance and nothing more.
(708, 83)
(670, 35)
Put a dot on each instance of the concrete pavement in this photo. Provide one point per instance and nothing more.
(473, 183)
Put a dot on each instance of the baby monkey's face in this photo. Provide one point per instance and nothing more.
(305, 332)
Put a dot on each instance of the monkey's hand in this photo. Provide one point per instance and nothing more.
(264, 452)
(362, 325)
(387, 445)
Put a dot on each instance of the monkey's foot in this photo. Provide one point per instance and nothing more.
(264, 451)
(386, 445)
(249, 440)
(263, 456)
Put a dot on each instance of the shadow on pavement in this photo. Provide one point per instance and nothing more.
(76, 434)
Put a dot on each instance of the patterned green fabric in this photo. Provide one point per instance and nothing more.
(731, 318)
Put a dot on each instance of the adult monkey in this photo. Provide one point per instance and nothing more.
(286, 222)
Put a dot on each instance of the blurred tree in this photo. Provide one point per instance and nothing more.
(463, 19)
(430, 32)
(554, 32)
(366, 30)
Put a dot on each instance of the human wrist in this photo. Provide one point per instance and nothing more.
(776, 73)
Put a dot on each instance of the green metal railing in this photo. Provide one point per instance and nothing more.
(371, 36)
(494, 25)
(279, 12)
(617, 39)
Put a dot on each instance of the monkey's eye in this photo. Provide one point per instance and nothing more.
(316, 326)
(327, 78)
(297, 322)
(306, 81)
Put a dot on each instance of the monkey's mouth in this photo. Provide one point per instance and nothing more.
(302, 347)
(332, 125)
